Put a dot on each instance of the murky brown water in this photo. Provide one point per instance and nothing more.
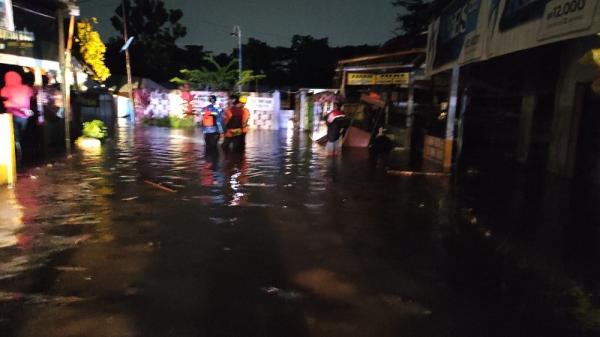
(150, 237)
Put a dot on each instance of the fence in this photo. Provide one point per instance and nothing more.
(265, 112)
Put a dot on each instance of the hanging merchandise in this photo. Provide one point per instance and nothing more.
(592, 57)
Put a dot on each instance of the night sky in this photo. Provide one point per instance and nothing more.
(344, 22)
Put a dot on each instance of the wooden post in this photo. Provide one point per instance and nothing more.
(343, 84)
(67, 92)
(410, 109)
(450, 119)
(528, 106)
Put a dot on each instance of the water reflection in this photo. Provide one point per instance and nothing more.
(235, 171)
(11, 218)
(363, 248)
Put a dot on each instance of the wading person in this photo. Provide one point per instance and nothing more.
(236, 124)
(212, 125)
(336, 127)
(17, 100)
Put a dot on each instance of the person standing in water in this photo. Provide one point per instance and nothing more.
(212, 124)
(236, 123)
(17, 102)
(336, 127)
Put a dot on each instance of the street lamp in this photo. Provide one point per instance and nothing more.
(237, 31)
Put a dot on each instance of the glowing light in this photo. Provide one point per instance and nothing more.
(89, 145)
(176, 104)
(7, 151)
(234, 182)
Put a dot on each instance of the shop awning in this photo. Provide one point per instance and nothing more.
(22, 61)
(407, 60)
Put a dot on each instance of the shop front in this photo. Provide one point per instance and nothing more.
(391, 91)
(29, 47)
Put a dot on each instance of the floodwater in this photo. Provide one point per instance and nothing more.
(151, 237)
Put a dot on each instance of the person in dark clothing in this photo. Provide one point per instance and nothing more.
(380, 147)
(336, 122)
(236, 123)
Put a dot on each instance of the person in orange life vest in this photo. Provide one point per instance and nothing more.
(212, 123)
(17, 100)
(336, 127)
(236, 123)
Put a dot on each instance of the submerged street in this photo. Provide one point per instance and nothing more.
(151, 237)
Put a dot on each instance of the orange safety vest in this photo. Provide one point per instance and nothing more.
(236, 121)
(208, 118)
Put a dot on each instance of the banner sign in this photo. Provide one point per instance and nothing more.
(457, 35)
(566, 16)
(6, 15)
(473, 30)
(394, 78)
(457, 25)
(259, 103)
(16, 42)
(360, 79)
(377, 79)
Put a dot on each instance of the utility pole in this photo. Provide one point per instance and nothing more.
(65, 60)
(237, 31)
(127, 60)
(67, 70)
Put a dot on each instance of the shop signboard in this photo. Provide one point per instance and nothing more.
(16, 42)
(360, 79)
(394, 78)
(523, 24)
(377, 79)
(566, 16)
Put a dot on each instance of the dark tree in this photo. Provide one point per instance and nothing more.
(416, 15)
(311, 63)
(150, 22)
(156, 29)
(259, 56)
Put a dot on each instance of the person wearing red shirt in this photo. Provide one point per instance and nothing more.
(17, 100)
(236, 124)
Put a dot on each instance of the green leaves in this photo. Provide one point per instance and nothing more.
(217, 78)
(94, 129)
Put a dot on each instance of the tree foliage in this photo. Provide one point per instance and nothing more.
(415, 15)
(217, 78)
(92, 49)
(156, 30)
(150, 22)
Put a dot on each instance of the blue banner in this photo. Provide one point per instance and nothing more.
(458, 19)
(518, 12)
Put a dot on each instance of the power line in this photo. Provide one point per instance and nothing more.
(34, 12)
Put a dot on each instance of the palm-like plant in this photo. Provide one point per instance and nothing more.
(219, 78)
